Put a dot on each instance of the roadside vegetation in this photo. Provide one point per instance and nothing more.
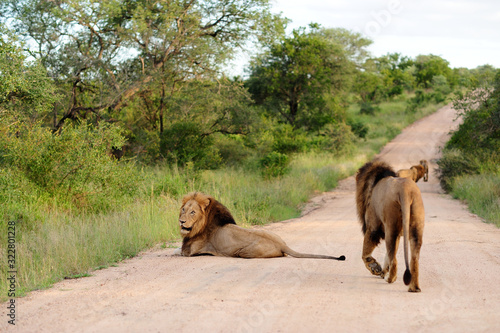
(470, 166)
(110, 112)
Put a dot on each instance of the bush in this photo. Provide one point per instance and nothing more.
(184, 142)
(420, 99)
(470, 165)
(368, 108)
(358, 128)
(440, 85)
(453, 164)
(73, 164)
(438, 97)
(232, 150)
(396, 91)
(337, 138)
(274, 164)
(290, 140)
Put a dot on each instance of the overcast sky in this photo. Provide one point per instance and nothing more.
(464, 32)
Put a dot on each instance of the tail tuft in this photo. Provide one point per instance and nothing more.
(342, 258)
(407, 277)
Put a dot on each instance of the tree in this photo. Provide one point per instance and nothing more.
(484, 75)
(480, 111)
(396, 72)
(353, 43)
(292, 78)
(105, 53)
(428, 66)
(369, 86)
(24, 85)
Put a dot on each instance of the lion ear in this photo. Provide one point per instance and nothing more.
(201, 198)
(204, 202)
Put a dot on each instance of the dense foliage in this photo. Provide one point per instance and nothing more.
(474, 147)
(470, 166)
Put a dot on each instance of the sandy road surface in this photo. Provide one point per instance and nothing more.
(156, 292)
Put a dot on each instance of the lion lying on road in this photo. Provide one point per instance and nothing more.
(389, 206)
(416, 172)
(208, 228)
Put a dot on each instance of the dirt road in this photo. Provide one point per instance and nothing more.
(156, 292)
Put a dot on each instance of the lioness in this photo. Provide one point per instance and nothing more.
(415, 172)
(207, 227)
(389, 206)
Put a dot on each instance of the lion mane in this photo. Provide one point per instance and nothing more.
(416, 172)
(208, 228)
(388, 207)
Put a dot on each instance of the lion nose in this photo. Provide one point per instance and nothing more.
(181, 222)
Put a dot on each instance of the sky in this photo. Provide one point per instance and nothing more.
(464, 32)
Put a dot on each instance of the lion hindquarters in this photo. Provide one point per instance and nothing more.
(235, 241)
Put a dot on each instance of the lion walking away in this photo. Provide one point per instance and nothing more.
(207, 227)
(388, 207)
(416, 172)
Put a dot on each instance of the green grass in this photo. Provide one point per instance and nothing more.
(55, 240)
(481, 193)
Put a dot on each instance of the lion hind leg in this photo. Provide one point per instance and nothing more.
(370, 242)
(415, 244)
(390, 271)
(391, 263)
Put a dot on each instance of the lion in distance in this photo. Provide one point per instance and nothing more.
(207, 227)
(415, 172)
(388, 207)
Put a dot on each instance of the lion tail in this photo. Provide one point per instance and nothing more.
(405, 210)
(296, 254)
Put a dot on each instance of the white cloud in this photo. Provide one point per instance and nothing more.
(464, 32)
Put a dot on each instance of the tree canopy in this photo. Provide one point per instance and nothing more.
(293, 76)
(106, 53)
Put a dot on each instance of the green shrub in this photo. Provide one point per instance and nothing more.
(420, 99)
(337, 138)
(232, 150)
(438, 97)
(358, 128)
(286, 139)
(274, 164)
(452, 164)
(440, 85)
(184, 142)
(73, 164)
(395, 91)
(368, 108)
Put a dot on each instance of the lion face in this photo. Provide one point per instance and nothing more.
(192, 218)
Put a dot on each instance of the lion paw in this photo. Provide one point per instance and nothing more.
(414, 289)
(374, 267)
(390, 279)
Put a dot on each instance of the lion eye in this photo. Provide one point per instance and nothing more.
(192, 212)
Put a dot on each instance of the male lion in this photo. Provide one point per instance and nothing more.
(389, 206)
(208, 228)
(416, 172)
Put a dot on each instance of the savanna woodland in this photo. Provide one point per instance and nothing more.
(111, 111)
